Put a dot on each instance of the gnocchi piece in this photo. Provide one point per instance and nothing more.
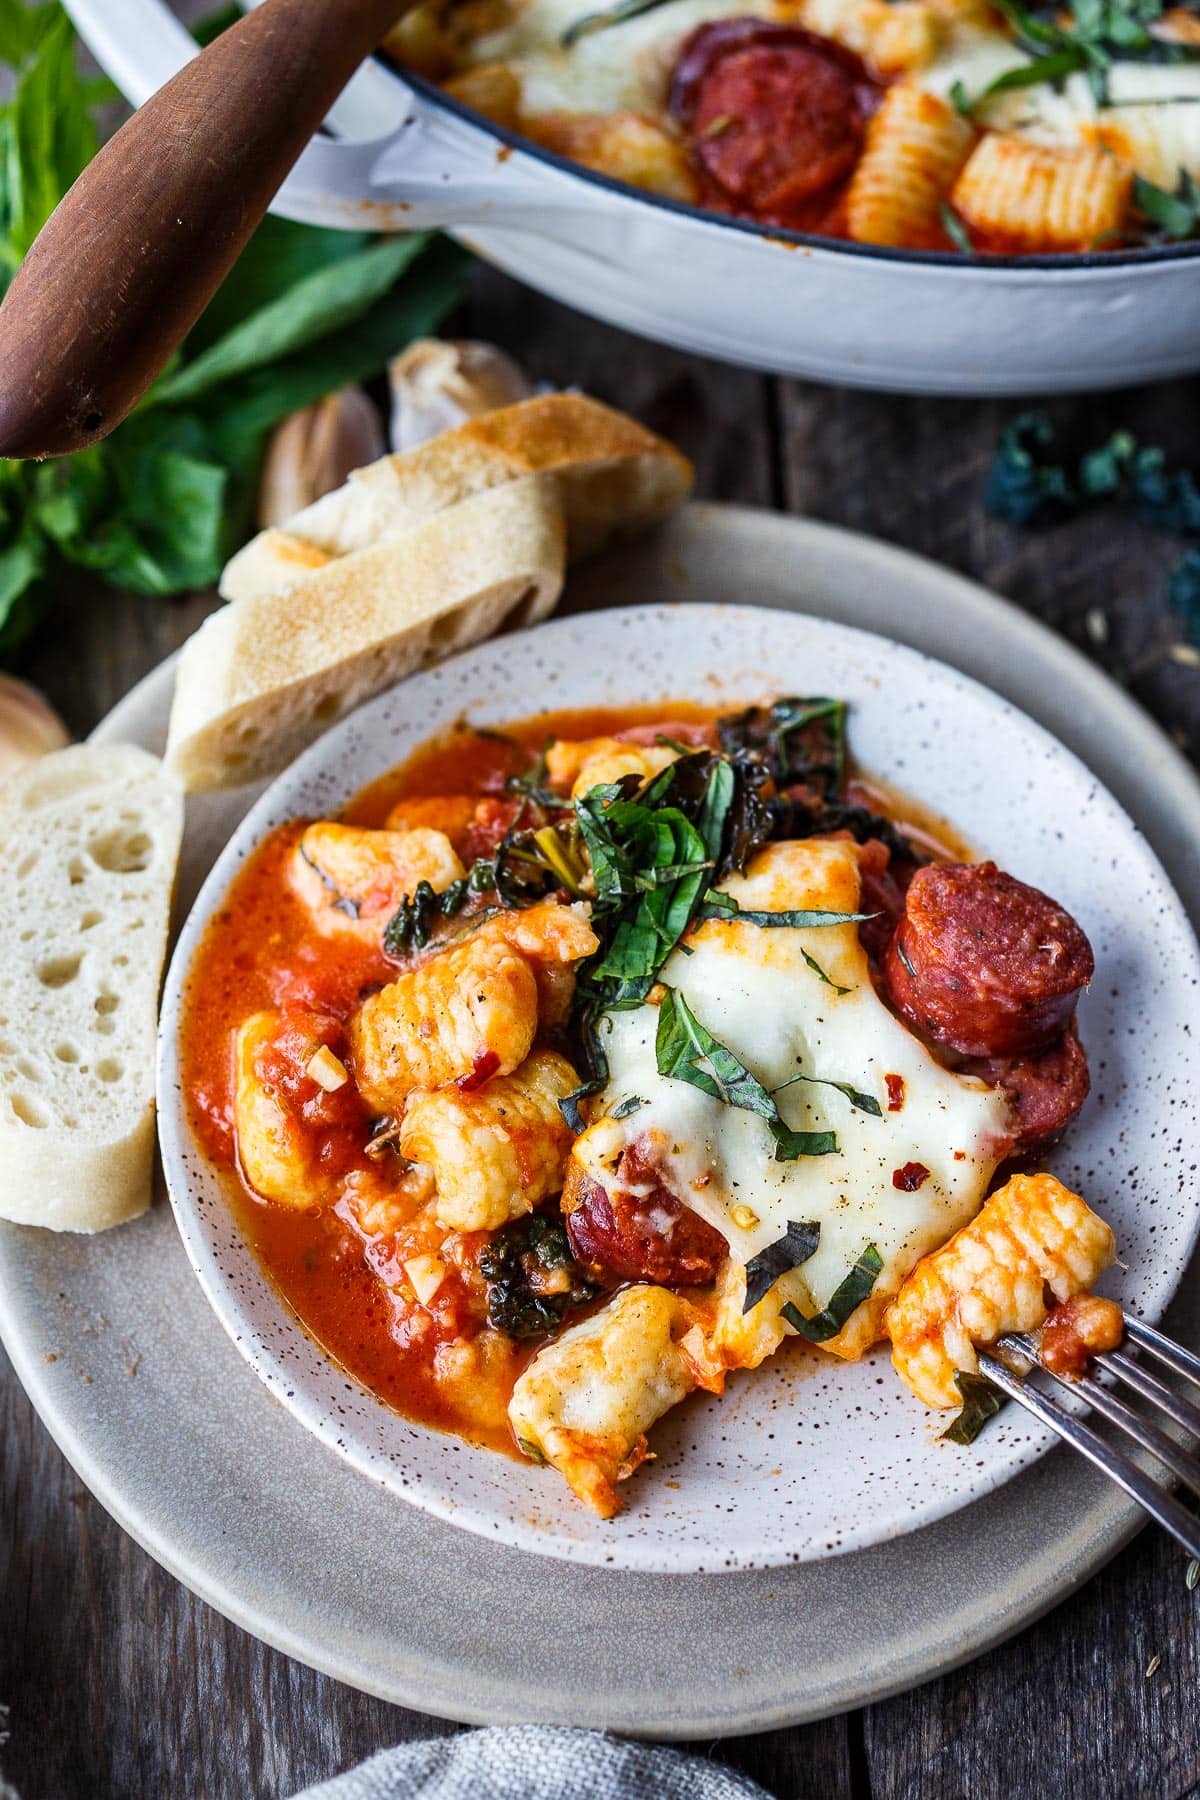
(625, 145)
(465, 1014)
(452, 813)
(494, 1154)
(1027, 197)
(1159, 141)
(575, 765)
(990, 1278)
(586, 1401)
(915, 147)
(281, 1114)
(492, 89)
(352, 880)
(895, 39)
(554, 938)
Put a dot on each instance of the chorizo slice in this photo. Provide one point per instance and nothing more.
(638, 1229)
(984, 964)
(1044, 1091)
(775, 113)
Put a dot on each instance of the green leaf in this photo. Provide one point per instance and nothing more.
(607, 16)
(685, 1050)
(1024, 486)
(23, 29)
(724, 906)
(279, 255)
(46, 138)
(954, 228)
(323, 302)
(21, 566)
(239, 416)
(817, 970)
(980, 1402)
(846, 1299)
(788, 1252)
(866, 1103)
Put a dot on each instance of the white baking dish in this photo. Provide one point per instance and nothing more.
(399, 154)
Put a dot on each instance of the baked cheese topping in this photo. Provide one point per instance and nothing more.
(1154, 118)
(753, 989)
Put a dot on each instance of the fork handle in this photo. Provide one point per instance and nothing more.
(134, 253)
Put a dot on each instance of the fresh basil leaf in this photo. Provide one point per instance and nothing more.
(606, 17)
(23, 29)
(22, 566)
(686, 1050)
(846, 1299)
(724, 906)
(47, 137)
(788, 1252)
(955, 230)
(980, 1402)
(280, 254)
(326, 301)
(817, 970)
(866, 1103)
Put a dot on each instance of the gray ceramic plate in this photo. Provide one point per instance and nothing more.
(177, 1437)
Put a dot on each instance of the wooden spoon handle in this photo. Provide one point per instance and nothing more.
(133, 254)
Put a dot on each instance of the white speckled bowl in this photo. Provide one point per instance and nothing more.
(806, 1457)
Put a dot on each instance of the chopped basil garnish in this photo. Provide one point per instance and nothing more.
(817, 970)
(952, 225)
(724, 906)
(609, 15)
(849, 1295)
(788, 1252)
(864, 1102)
(980, 1402)
(627, 1106)
(686, 1050)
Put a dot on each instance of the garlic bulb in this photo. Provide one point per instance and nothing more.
(437, 384)
(312, 453)
(29, 726)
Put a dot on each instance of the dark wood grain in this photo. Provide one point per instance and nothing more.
(133, 254)
(118, 1682)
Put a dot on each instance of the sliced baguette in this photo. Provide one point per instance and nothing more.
(616, 480)
(263, 677)
(89, 840)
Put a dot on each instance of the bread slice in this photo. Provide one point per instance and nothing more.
(616, 479)
(89, 840)
(266, 675)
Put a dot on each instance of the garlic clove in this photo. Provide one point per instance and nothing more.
(439, 383)
(29, 726)
(314, 451)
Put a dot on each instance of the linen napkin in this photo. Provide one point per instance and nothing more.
(535, 1762)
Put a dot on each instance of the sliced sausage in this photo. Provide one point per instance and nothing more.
(984, 964)
(639, 1236)
(882, 896)
(1045, 1091)
(775, 113)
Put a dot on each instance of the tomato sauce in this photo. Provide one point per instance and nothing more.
(262, 951)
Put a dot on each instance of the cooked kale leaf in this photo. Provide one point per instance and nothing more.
(532, 1278)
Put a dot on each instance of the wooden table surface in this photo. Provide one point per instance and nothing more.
(116, 1681)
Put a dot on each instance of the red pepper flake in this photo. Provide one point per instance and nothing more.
(895, 1091)
(960, 1156)
(912, 1176)
(486, 1064)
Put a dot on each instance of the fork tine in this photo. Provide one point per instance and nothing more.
(1183, 1362)
(1185, 1415)
(1184, 1526)
(1110, 1406)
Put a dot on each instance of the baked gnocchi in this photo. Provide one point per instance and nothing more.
(919, 124)
(584, 1063)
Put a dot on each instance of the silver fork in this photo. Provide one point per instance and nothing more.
(1162, 1505)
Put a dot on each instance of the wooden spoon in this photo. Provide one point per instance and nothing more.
(134, 253)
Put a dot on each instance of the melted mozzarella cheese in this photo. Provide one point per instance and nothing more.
(1153, 121)
(754, 991)
(625, 67)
